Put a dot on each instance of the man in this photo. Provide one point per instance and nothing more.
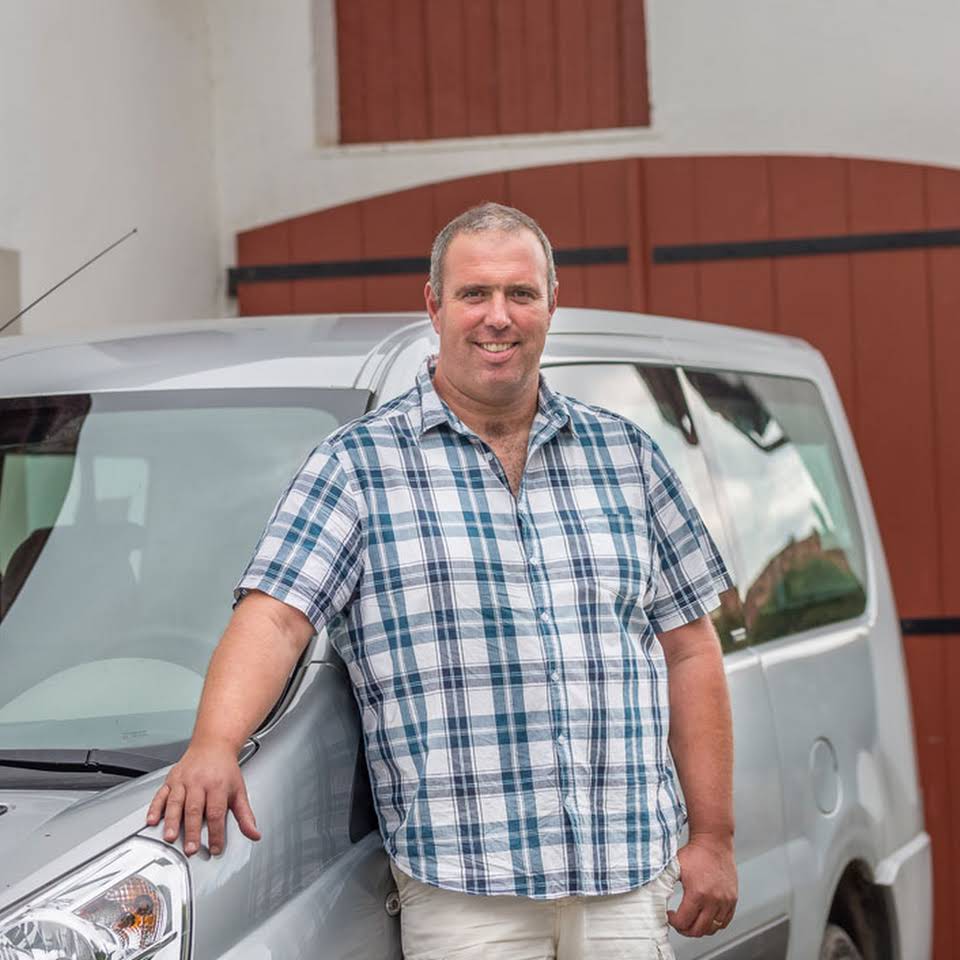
(519, 588)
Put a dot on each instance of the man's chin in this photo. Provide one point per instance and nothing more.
(505, 382)
(489, 382)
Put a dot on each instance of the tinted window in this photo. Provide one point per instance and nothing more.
(652, 397)
(799, 549)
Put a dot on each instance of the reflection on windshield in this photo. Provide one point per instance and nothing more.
(730, 398)
(792, 511)
(125, 521)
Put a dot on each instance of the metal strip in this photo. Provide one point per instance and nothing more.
(916, 626)
(590, 256)
(274, 272)
(806, 246)
(767, 943)
(395, 266)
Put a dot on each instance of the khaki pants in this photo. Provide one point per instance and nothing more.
(443, 925)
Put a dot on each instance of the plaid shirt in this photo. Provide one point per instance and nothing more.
(503, 651)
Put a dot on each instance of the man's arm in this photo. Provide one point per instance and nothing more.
(701, 741)
(247, 672)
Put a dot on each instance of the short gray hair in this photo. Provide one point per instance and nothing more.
(488, 217)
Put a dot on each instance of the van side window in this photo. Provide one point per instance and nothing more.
(652, 397)
(798, 542)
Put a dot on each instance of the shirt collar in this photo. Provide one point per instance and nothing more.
(551, 407)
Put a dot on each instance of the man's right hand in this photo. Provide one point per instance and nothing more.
(205, 784)
(246, 675)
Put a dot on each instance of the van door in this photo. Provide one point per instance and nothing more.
(803, 587)
(653, 397)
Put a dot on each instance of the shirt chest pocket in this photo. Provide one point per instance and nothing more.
(617, 546)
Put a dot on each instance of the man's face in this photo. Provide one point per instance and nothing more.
(494, 316)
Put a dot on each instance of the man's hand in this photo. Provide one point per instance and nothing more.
(206, 782)
(246, 675)
(709, 876)
(701, 741)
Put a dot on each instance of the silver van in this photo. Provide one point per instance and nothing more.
(136, 473)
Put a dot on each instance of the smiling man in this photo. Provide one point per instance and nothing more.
(519, 588)
(491, 295)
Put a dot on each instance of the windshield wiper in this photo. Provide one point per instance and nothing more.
(120, 763)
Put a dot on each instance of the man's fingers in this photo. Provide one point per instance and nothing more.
(174, 807)
(155, 810)
(203, 787)
(725, 915)
(683, 918)
(699, 918)
(704, 924)
(216, 819)
(193, 819)
(244, 814)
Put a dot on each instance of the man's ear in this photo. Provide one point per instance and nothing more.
(433, 306)
(556, 289)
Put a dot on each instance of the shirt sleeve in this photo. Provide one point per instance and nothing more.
(687, 571)
(310, 555)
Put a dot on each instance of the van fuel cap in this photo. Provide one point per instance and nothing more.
(824, 776)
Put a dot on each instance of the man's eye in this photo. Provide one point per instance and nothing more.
(473, 294)
(524, 294)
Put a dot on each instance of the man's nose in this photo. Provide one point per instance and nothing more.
(498, 315)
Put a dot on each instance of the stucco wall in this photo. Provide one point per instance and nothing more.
(105, 110)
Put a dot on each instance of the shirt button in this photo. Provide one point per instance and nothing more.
(545, 617)
(568, 802)
(561, 739)
(555, 676)
(533, 561)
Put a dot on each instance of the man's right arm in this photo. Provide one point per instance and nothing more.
(249, 667)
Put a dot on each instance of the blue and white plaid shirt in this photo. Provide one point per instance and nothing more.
(503, 651)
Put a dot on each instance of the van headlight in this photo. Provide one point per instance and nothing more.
(132, 902)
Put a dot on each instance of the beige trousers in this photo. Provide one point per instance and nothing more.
(442, 925)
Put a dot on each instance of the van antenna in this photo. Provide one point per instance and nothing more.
(116, 243)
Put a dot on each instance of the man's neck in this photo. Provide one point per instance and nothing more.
(491, 421)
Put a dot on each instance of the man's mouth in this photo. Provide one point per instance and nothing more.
(496, 347)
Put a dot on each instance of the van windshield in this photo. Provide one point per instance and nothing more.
(125, 522)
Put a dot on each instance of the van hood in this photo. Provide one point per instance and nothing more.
(45, 834)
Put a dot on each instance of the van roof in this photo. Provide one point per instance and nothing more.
(336, 350)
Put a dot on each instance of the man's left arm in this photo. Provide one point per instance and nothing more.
(701, 741)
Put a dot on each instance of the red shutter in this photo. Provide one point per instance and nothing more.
(416, 69)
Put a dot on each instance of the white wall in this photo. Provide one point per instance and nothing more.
(870, 78)
(105, 124)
